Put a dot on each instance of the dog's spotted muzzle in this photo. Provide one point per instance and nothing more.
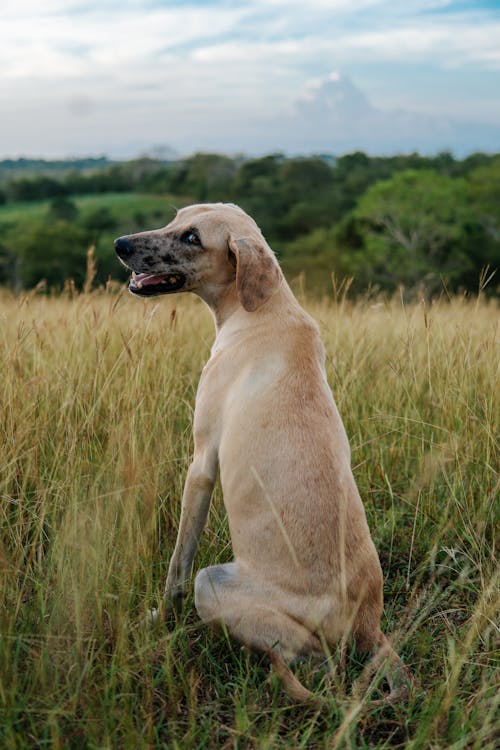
(147, 284)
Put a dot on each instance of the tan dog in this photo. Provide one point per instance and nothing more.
(305, 573)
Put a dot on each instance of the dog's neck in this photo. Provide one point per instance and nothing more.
(231, 319)
(223, 306)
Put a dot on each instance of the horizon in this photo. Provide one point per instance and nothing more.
(174, 157)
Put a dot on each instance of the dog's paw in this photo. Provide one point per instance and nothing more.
(153, 617)
(164, 615)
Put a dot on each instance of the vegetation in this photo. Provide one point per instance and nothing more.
(425, 223)
(47, 241)
(96, 401)
(16, 168)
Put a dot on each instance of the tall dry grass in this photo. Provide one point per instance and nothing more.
(96, 400)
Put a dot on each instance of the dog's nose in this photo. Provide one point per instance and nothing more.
(123, 247)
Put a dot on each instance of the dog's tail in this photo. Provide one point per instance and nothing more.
(290, 683)
(387, 663)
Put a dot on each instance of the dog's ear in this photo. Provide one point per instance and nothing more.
(257, 271)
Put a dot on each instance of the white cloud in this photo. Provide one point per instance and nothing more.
(56, 38)
(337, 116)
(452, 45)
(45, 44)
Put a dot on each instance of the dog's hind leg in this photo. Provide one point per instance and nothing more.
(226, 597)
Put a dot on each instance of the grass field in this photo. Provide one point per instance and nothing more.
(119, 204)
(97, 397)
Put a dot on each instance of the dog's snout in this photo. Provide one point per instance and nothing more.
(124, 247)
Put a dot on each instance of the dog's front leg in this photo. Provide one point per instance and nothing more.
(198, 488)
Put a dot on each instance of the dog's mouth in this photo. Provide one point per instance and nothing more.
(149, 285)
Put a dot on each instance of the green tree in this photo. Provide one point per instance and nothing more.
(484, 195)
(303, 178)
(99, 220)
(54, 251)
(35, 188)
(483, 192)
(409, 229)
(309, 194)
(205, 177)
(62, 207)
(257, 188)
(10, 267)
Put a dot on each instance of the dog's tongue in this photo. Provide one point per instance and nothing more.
(146, 279)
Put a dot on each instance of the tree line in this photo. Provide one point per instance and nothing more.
(422, 222)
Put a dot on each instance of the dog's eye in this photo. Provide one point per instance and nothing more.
(191, 238)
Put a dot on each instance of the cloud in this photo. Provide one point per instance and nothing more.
(453, 44)
(60, 39)
(334, 115)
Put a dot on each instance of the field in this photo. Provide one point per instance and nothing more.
(96, 402)
(119, 204)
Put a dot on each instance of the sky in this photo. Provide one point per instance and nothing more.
(127, 77)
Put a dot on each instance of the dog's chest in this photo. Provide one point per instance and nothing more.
(235, 387)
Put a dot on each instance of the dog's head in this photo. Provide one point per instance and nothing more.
(205, 249)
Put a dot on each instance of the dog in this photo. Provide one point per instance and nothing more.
(306, 574)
